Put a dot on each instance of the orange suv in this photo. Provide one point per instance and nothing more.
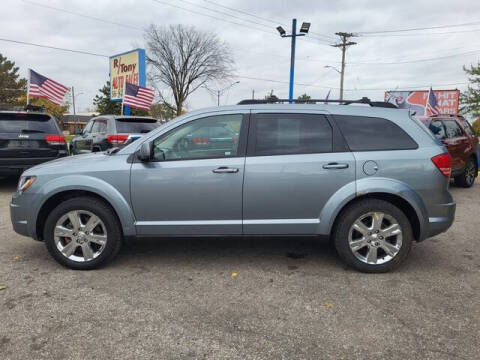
(461, 142)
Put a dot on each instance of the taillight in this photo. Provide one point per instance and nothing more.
(201, 141)
(117, 139)
(443, 162)
(55, 139)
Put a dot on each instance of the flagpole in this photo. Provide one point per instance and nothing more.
(123, 94)
(28, 85)
(426, 103)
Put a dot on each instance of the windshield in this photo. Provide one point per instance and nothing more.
(136, 126)
(27, 123)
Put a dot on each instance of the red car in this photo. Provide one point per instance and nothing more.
(458, 137)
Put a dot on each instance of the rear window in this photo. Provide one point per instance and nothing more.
(135, 125)
(27, 123)
(373, 134)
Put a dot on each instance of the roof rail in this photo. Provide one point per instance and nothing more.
(36, 108)
(275, 100)
(445, 115)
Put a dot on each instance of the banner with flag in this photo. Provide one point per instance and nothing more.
(137, 96)
(43, 87)
(431, 107)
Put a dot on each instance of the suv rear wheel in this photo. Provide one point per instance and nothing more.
(467, 178)
(373, 236)
(83, 233)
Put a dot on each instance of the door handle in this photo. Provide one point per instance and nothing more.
(335, 166)
(225, 170)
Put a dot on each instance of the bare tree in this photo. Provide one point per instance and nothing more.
(184, 59)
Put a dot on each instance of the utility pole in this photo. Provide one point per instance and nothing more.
(253, 94)
(74, 112)
(343, 45)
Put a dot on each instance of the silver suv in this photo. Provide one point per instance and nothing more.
(372, 179)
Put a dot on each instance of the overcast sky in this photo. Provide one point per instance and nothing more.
(258, 50)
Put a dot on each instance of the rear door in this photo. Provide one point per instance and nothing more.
(293, 166)
(28, 138)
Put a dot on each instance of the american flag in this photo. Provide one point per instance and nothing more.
(138, 97)
(431, 108)
(43, 87)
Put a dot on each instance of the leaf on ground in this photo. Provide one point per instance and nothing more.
(3, 287)
(16, 258)
(234, 274)
(328, 304)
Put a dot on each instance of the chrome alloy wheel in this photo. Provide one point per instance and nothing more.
(80, 235)
(375, 238)
(470, 172)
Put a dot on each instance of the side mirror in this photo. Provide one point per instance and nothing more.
(145, 152)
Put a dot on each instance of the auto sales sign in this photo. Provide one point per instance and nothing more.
(416, 100)
(126, 67)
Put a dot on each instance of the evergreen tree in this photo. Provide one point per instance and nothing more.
(12, 86)
(470, 99)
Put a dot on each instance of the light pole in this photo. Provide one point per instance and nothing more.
(303, 31)
(74, 110)
(219, 92)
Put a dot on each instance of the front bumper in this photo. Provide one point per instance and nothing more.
(20, 215)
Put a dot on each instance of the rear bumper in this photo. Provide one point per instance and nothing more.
(444, 215)
(16, 166)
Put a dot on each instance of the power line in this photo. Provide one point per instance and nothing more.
(420, 34)
(327, 37)
(420, 28)
(82, 15)
(54, 47)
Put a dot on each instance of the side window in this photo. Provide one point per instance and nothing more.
(210, 137)
(467, 127)
(452, 129)
(100, 126)
(373, 134)
(437, 129)
(289, 133)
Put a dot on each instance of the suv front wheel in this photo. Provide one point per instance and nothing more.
(373, 236)
(83, 233)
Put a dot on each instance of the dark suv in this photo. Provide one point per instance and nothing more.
(461, 142)
(28, 139)
(107, 131)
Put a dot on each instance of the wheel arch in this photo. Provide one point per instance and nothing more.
(397, 193)
(93, 187)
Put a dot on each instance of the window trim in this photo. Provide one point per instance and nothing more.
(253, 133)
(382, 118)
(242, 138)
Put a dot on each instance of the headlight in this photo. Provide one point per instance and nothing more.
(25, 182)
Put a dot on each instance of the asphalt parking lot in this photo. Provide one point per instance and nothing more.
(243, 299)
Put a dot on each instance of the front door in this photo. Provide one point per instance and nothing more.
(291, 171)
(194, 184)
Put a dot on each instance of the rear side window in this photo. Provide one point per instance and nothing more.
(468, 129)
(27, 123)
(452, 129)
(282, 134)
(373, 134)
(135, 125)
(437, 129)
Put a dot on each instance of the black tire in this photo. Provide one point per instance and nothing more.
(353, 212)
(106, 215)
(467, 178)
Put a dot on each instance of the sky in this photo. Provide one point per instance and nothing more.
(388, 60)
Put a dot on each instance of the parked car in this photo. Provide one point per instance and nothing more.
(107, 131)
(28, 139)
(372, 179)
(457, 135)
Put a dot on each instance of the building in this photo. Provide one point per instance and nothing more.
(70, 122)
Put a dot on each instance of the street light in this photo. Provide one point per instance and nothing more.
(303, 31)
(332, 67)
(219, 92)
